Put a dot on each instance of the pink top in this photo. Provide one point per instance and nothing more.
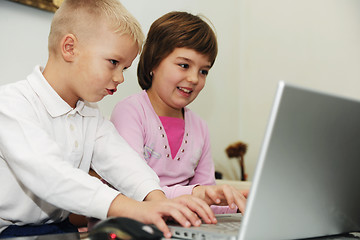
(174, 128)
(179, 170)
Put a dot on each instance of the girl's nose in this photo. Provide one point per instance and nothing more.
(193, 78)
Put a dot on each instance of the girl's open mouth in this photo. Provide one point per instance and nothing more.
(185, 90)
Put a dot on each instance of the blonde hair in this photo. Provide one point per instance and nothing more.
(76, 16)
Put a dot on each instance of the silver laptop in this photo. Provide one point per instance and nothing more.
(307, 179)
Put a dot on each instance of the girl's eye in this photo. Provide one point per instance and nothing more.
(204, 72)
(184, 65)
(113, 62)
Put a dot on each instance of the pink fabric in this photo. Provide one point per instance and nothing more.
(179, 172)
(174, 128)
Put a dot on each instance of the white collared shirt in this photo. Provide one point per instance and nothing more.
(46, 150)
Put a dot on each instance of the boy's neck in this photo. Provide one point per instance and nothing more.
(57, 77)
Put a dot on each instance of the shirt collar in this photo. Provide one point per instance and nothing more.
(53, 103)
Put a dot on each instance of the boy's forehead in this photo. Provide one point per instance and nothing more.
(94, 29)
(118, 46)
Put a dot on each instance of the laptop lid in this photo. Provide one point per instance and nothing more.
(307, 179)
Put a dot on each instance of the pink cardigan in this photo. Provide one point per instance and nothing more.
(137, 122)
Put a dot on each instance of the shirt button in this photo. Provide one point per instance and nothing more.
(165, 147)
(167, 155)
(160, 128)
(178, 159)
(182, 150)
(185, 141)
(162, 135)
(72, 127)
(76, 144)
(187, 134)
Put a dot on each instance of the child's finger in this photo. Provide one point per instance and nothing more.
(161, 225)
(191, 216)
(240, 201)
(201, 209)
(212, 194)
(241, 206)
(204, 211)
(235, 197)
(229, 196)
(188, 215)
(245, 193)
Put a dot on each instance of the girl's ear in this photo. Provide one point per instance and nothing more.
(68, 44)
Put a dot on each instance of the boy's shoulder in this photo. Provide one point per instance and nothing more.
(25, 94)
(22, 89)
(17, 99)
(14, 90)
(13, 85)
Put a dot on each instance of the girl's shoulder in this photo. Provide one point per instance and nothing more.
(134, 98)
(136, 105)
(133, 101)
(194, 119)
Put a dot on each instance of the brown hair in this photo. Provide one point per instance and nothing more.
(174, 30)
(77, 16)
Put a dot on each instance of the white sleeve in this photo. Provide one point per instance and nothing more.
(116, 162)
(34, 161)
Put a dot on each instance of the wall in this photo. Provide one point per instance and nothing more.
(312, 43)
(23, 44)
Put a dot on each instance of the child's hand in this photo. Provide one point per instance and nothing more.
(184, 210)
(222, 195)
(199, 206)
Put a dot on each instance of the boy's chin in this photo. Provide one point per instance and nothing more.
(94, 99)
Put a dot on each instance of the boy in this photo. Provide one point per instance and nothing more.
(51, 134)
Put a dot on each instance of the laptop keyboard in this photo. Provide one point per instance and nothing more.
(227, 228)
(224, 226)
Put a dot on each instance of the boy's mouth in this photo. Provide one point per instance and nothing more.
(111, 91)
(185, 90)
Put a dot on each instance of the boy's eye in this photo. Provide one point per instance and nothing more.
(113, 62)
(184, 65)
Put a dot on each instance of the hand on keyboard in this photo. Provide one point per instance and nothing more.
(222, 195)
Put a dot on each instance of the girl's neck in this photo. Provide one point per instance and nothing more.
(161, 109)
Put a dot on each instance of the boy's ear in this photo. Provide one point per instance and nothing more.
(68, 44)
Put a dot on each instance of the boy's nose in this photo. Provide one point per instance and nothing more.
(118, 78)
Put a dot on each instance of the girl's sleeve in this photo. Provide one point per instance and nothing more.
(127, 119)
(177, 190)
(205, 170)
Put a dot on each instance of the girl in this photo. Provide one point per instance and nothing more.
(179, 51)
